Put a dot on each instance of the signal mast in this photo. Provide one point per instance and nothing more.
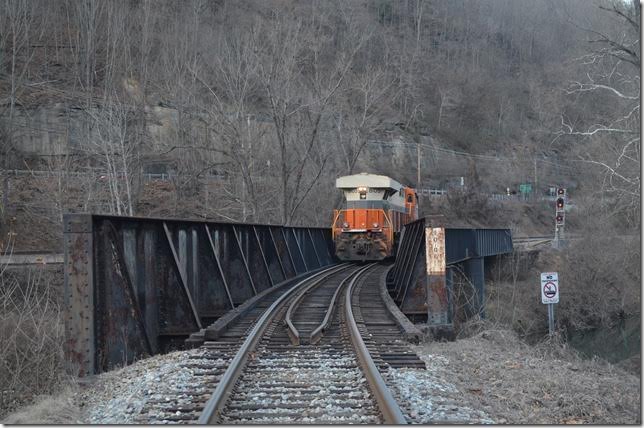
(560, 216)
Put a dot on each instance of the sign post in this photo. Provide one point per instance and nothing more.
(550, 296)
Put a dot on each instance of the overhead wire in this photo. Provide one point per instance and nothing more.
(476, 155)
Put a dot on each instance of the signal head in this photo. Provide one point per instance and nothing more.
(561, 191)
(559, 219)
(560, 203)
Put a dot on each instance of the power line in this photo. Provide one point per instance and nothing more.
(474, 155)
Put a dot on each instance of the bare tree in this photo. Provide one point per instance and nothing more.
(234, 129)
(300, 82)
(611, 135)
(370, 95)
(20, 24)
(111, 145)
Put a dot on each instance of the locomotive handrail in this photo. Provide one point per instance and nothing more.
(335, 220)
(390, 232)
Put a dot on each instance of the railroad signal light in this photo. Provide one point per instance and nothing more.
(560, 203)
(561, 191)
(559, 219)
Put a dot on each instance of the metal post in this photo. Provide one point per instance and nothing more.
(555, 242)
(535, 174)
(551, 319)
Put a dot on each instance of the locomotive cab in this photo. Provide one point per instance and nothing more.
(375, 209)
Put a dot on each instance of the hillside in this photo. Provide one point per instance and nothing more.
(248, 111)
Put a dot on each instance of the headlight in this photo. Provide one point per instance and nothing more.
(375, 225)
(345, 225)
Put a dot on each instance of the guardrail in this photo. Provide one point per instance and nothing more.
(217, 400)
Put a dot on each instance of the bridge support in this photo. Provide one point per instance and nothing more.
(421, 281)
(438, 301)
(475, 274)
(79, 293)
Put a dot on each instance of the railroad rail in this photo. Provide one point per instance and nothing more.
(215, 358)
(324, 362)
(311, 384)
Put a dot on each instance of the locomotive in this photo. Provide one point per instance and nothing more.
(375, 209)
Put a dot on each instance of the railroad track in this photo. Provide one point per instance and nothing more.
(312, 353)
(210, 362)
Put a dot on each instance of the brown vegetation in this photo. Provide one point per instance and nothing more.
(281, 97)
(514, 383)
(31, 336)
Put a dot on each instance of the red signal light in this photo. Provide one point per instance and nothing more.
(559, 219)
(561, 191)
(560, 203)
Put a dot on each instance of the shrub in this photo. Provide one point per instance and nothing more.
(31, 338)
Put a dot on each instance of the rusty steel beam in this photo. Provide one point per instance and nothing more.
(138, 286)
(118, 254)
(288, 251)
(79, 293)
(279, 259)
(401, 249)
(244, 261)
(314, 249)
(407, 257)
(299, 248)
(221, 272)
(413, 258)
(295, 251)
(182, 273)
(261, 251)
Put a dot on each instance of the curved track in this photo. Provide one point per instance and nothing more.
(310, 353)
(276, 378)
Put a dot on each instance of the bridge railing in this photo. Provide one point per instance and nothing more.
(140, 286)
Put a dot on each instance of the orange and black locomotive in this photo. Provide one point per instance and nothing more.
(375, 209)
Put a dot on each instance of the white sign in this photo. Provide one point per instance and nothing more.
(549, 287)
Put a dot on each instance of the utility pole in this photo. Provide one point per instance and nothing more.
(418, 165)
(535, 174)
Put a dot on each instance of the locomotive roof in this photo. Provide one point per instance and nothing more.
(367, 180)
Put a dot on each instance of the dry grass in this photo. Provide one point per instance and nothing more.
(32, 361)
(548, 384)
(48, 409)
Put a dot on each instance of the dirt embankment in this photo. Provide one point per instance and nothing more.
(512, 382)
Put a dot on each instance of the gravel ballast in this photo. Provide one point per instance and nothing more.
(492, 377)
(137, 393)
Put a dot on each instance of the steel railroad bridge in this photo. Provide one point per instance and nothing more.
(141, 286)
